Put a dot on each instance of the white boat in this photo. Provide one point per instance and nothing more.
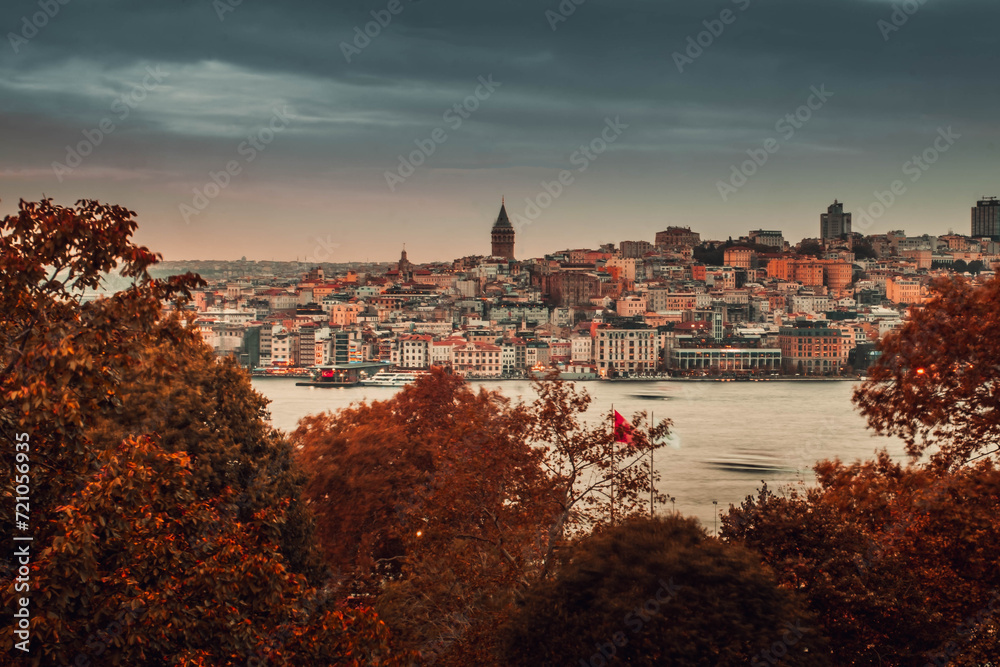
(745, 461)
(392, 379)
(653, 394)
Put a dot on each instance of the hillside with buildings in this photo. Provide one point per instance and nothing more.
(632, 309)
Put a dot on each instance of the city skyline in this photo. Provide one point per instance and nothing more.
(297, 129)
(985, 223)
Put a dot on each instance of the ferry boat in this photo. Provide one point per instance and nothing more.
(281, 373)
(743, 461)
(654, 394)
(342, 375)
(392, 379)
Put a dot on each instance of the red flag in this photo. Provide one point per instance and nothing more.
(623, 430)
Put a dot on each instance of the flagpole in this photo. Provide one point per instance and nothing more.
(652, 491)
(612, 464)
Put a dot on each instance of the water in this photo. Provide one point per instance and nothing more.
(795, 423)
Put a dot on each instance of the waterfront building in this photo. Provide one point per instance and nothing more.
(582, 348)
(513, 356)
(537, 353)
(412, 352)
(721, 360)
(625, 350)
(477, 359)
(813, 348)
(284, 349)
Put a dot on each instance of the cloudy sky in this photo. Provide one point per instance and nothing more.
(141, 103)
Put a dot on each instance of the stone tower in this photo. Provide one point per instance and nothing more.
(502, 235)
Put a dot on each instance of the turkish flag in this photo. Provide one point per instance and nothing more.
(623, 430)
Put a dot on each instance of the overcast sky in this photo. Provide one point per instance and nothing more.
(310, 118)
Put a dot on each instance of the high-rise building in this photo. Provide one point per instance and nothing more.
(502, 235)
(834, 223)
(986, 218)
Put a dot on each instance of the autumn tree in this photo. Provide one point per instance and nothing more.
(898, 562)
(937, 382)
(62, 355)
(188, 401)
(427, 500)
(661, 592)
(131, 553)
(863, 248)
(811, 248)
(435, 462)
(142, 571)
(594, 474)
(707, 253)
(444, 503)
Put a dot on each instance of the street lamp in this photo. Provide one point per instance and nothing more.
(716, 503)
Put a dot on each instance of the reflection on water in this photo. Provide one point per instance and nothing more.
(726, 439)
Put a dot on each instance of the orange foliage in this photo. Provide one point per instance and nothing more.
(894, 560)
(133, 560)
(937, 383)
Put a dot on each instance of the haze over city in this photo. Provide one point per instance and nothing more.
(502, 97)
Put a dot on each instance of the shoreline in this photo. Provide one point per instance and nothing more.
(610, 380)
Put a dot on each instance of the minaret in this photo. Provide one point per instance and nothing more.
(502, 234)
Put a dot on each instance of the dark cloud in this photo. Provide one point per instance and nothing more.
(351, 120)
